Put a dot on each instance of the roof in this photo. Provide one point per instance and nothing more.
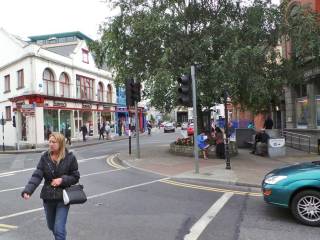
(78, 34)
(64, 50)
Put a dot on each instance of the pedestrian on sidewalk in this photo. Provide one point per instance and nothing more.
(68, 135)
(202, 143)
(219, 143)
(149, 127)
(59, 168)
(107, 130)
(101, 130)
(268, 123)
(84, 131)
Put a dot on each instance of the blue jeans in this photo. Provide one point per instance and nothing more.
(56, 214)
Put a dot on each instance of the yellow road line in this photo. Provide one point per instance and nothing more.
(113, 164)
(186, 185)
(6, 227)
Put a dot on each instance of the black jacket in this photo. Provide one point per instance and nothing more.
(67, 169)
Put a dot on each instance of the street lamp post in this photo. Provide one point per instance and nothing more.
(2, 123)
(227, 155)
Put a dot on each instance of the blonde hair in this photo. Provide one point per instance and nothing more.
(62, 145)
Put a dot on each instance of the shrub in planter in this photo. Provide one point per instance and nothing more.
(184, 141)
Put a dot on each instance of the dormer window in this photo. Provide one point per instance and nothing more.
(85, 56)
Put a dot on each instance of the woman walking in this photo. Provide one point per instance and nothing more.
(59, 168)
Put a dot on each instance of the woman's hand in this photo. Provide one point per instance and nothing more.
(26, 196)
(56, 182)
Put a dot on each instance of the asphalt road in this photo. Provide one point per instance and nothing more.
(129, 204)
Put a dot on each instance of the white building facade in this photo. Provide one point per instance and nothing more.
(49, 84)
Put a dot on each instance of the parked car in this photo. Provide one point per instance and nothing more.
(184, 126)
(190, 129)
(296, 187)
(168, 127)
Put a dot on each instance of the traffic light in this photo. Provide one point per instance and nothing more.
(185, 91)
(133, 92)
(14, 121)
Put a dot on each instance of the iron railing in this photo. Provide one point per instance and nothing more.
(296, 140)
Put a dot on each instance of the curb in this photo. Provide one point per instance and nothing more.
(40, 150)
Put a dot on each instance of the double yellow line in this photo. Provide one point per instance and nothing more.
(6, 228)
(186, 185)
(112, 163)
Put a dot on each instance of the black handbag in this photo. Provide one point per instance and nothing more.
(74, 195)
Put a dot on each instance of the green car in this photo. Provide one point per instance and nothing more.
(296, 187)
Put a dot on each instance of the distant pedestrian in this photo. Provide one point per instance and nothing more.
(268, 123)
(219, 143)
(59, 168)
(84, 131)
(149, 127)
(119, 127)
(107, 130)
(68, 135)
(101, 130)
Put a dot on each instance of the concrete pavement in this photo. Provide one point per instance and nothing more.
(246, 169)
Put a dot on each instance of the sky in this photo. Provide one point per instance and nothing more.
(38, 17)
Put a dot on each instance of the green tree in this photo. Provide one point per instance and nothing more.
(157, 41)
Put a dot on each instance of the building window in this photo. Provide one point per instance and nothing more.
(302, 109)
(8, 113)
(64, 85)
(7, 83)
(100, 92)
(109, 94)
(48, 82)
(85, 56)
(20, 76)
(84, 87)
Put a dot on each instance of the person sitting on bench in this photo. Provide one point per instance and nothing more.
(261, 137)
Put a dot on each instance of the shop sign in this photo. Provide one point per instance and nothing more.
(106, 106)
(86, 105)
(59, 104)
(27, 107)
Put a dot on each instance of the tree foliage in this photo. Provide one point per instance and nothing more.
(157, 41)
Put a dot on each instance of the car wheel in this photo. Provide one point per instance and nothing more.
(305, 207)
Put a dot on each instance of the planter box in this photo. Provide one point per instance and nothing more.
(188, 150)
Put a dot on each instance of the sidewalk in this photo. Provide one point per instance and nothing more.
(76, 143)
(246, 169)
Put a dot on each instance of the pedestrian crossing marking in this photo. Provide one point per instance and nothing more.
(6, 227)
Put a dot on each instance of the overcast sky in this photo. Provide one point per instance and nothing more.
(38, 17)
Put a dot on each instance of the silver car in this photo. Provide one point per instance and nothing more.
(169, 127)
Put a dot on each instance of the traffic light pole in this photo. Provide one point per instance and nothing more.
(137, 128)
(195, 119)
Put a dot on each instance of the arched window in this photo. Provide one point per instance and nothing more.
(64, 85)
(100, 92)
(48, 82)
(109, 93)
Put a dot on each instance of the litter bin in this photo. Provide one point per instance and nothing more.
(276, 147)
